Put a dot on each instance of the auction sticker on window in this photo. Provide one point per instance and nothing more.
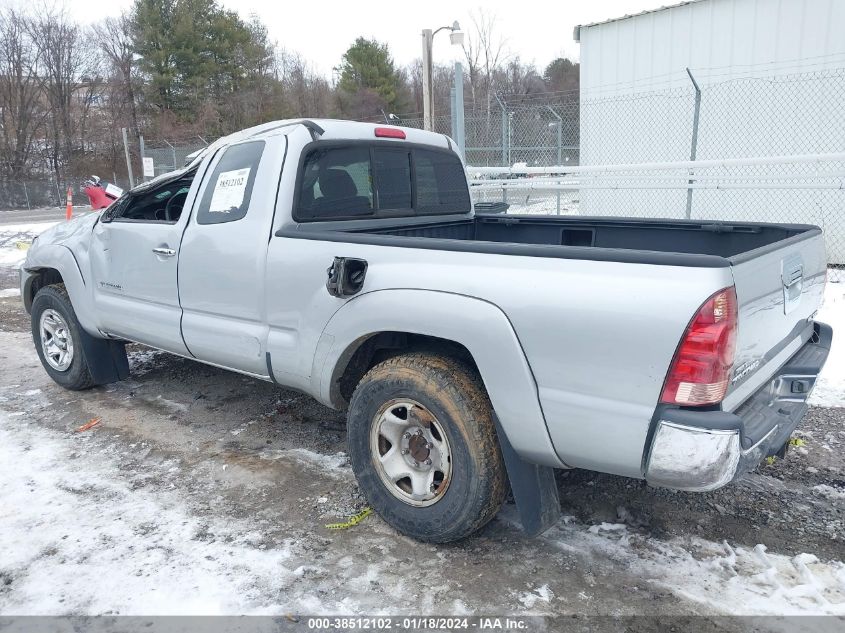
(229, 191)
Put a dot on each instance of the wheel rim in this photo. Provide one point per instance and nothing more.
(56, 340)
(411, 452)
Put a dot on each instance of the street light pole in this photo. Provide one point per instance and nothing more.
(428, 100)
(457, 38)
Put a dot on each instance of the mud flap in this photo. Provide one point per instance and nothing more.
(107, 360)
(533, 487)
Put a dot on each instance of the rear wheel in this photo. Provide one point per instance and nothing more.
(57, 336)
(423, 446)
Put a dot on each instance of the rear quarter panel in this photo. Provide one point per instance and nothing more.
(598, 336)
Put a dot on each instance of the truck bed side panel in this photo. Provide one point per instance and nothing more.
(598, 336)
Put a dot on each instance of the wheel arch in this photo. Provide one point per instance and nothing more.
(378, 324)
(54, 263)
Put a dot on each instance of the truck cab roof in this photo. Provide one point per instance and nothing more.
(328, 129)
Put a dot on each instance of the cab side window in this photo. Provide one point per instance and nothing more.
(336, 182)
(229, 189)
(161, 204)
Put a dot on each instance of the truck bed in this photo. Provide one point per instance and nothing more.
(667, 242)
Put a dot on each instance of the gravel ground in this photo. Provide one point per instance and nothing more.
(257, 472)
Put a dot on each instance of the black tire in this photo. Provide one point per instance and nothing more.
(453, 392)
(78, 375)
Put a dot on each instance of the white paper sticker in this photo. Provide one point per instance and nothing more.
(229, 191)
(113, 190)
(149, 167)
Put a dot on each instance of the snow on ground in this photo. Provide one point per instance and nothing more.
(14, 236)
(80, 538)
(830, 388)
(728, 579)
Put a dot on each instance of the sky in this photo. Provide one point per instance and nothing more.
(537, 31)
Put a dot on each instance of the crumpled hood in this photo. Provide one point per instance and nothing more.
(64, 230)
(77, 230)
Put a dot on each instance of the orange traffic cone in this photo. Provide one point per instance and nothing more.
(69, 210)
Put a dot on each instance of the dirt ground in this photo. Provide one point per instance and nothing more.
(227, 451)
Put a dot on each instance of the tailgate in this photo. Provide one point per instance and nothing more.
(779, 288)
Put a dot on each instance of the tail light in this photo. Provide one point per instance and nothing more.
(701, 368)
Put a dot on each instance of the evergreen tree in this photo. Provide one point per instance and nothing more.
(370, 80)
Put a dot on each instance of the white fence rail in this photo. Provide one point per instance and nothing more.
(805, 188)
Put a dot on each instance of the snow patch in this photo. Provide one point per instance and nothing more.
(337, 463)
(540, 594)
(77, 538)
(829, 492)
(35, 228)
(730, 580)
(10, 292)
(830, 387)
(10, 234)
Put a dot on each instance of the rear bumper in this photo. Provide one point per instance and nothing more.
(704, 450)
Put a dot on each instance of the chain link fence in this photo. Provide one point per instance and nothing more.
(44, 193)
(533, 134)
(797, 114)
(170, 156)
(745, 117)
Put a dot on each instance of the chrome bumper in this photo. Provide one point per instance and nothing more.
(704, 450)
(696, 459)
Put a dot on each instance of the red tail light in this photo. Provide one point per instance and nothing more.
(389, 132)
(701, 369)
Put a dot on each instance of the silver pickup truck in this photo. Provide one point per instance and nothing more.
(472, 352)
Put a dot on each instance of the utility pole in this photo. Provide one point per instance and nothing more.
(128, 160)
(427, 77)
(457, 38)
(460, 136)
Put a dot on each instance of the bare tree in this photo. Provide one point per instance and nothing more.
(485, 52)
(443, 78)
(304, 91)
(114, 35)
(66, 59)
(21, 110)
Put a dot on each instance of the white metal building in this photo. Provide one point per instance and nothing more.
(772, 82)
(716, 39)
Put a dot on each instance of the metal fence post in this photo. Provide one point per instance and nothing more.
(143, 155)
(460, 137)
(26, 195)
(128, 159)
(172, 151)
(694, 144)
(559, 127)
(454, 112)
(504, 131)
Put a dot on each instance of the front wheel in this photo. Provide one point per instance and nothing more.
(423, 447)
(58, 340)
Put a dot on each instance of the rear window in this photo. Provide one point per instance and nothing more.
(336, 182)
(441, 182)
(364, 179)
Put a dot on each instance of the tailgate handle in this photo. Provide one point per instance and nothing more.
(792, 277)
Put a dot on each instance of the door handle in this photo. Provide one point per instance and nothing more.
(164, 252)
